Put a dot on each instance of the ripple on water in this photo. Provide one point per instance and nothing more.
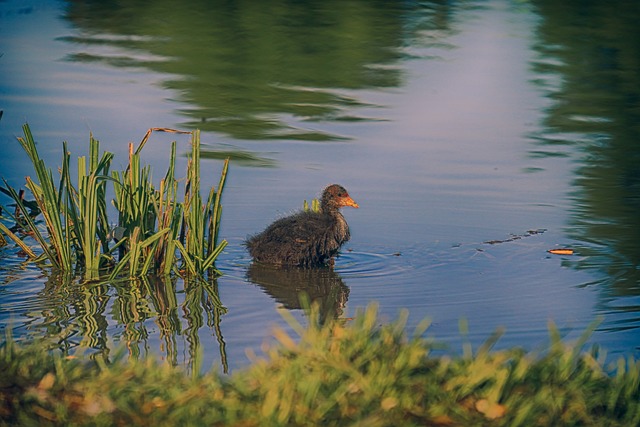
(366, 262)
(404, 263)
(369, 264)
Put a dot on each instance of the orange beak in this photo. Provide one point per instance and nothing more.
(348, 201)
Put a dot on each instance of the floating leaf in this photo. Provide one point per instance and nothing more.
(561, 251)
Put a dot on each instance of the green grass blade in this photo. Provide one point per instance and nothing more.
(217, 207)
(48, 200)
(42, 241)
(211, 259)
(186, 258)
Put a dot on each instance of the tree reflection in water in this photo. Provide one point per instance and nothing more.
(261, 70)
(588, 66)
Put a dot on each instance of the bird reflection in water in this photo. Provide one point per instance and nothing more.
(322, 286)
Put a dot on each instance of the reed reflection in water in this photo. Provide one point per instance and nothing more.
(136, 313)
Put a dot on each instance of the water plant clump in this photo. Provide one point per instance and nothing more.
(156, 232)
(329, 373)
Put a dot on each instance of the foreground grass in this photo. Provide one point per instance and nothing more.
(361, 374)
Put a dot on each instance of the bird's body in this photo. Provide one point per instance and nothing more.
(306, 239)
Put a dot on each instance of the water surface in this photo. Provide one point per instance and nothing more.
(474, 135)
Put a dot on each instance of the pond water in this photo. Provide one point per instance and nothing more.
(474, 135)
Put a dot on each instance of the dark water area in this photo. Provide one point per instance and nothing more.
(475, 136)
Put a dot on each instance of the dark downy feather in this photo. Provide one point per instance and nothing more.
(306, 239)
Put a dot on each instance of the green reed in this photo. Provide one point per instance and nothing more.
(58, 249)
(168, 216)
(6, 231)
(135, 200)
(198, 241)
(153, 227)
(315, 205)
(87, 208)
(75, 219)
